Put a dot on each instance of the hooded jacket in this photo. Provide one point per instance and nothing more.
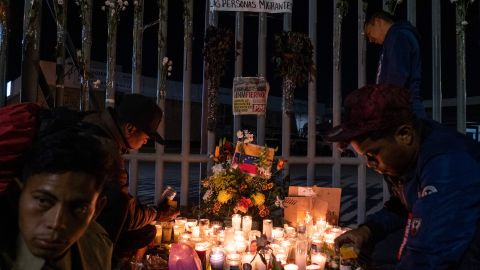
(400, 62)
(438, 204)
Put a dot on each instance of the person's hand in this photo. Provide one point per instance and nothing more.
(168, 215)
(357, 237)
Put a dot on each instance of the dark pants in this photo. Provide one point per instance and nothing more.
(129, 242)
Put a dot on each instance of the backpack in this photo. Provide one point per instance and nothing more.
(18, 127)
(20, 124)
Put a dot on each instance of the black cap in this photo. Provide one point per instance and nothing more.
(143, 113)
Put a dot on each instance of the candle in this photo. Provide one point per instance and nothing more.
(248, 257)
(277, 233)
(195, 231)
(267, 228)
(240, 246)
(233, 261)
(314, 267)
(238, 236)
(236, 222)
(321, 224)
(318, 259)
(290, 231)
(203, 223)
(290, 266)
(177, 230)
(158, 235)
(190, 224)
(281, 258)
(246, 224)
(181, 221)
(201, 249)
(217, 257)
(167, 231)
(229, 234)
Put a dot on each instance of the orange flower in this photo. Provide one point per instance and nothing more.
(267, 186)
(280, 164)
(216, 207)
(217, 153)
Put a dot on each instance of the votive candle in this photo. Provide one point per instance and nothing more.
(246, 224)
(290, 266)
(267, 228)
(236, 222)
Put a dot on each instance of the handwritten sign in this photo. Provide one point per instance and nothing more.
(250, 95)
(268, 6)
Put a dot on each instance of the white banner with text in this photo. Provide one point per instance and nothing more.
(268, 6)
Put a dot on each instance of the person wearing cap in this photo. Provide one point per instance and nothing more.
(126, 127)
(400, 61)
(433, 175)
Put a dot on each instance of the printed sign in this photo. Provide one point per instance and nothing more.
(268, 6)
(249, 95)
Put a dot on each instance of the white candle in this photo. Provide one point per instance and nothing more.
(246, 224)
(196, 231)
(267, 228)
(319, 259)
(217, 258)
(247, 258)
(290, 266)
(277, 233)
(236, 222)
(290, 231)
(240, 246)
(314, 267)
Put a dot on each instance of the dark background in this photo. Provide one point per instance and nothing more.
(227, 19)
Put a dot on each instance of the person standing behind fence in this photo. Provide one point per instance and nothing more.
(400, 61)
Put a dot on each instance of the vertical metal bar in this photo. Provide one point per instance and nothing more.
(137, 35)
(361, 193)
(361, 80)
(239, 22)
(412, 11)
(187, 97)
(162, 52)
(436, 61)
(212, 20)
(312, 95)
(31, 43)
(61, 20)
(3, 50)
(337, 89)
(137, 46)
(262, 69)
(286, 118)
(461, 74)
(86, 53)
(112, 26)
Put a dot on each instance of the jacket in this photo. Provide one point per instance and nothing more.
(400, 62)
(122, 211)
(437, 202)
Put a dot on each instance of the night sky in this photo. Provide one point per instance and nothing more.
(300, 23)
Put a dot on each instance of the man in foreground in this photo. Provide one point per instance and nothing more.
(433, 174)
(53, 227)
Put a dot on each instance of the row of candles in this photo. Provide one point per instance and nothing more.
(234, 246)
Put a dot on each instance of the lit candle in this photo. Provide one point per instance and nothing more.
(290, 231)
(158, 235)
(236, 222)
(229, 234)
(233, 261)
(246, 224)
(238, 236)
(314, 267)
(321, 224)
(290, 266)
(196, 231)
(267, 228)
(217, 257)
(277, 233)
(201, 249)
(177, 230)
(318, 259)
(240, 246)
(281, 258)
(248, 257)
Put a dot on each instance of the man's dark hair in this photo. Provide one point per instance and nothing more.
(382, 15)
(69, 150)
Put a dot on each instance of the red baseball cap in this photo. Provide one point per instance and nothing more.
(372, 108)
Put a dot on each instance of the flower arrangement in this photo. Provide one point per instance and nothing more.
(294, 62)
(241, 180)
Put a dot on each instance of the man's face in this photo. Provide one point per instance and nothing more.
(391, 156)
(137, 139)
(55, 210)
(374, 32)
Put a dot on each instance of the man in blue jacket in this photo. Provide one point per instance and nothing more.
(433, 174)
(400, 62)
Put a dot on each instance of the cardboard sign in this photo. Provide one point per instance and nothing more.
(295, 209)
(250, 96)
(246, 156)
(331, 196)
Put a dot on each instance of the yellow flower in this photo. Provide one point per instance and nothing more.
(224, 196)
(258, 198)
